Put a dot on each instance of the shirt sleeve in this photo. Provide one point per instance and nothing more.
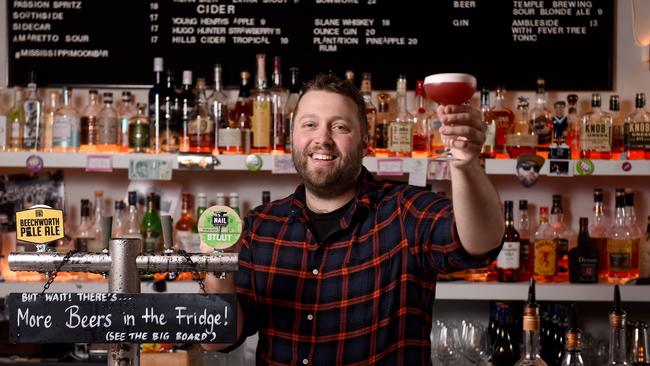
(430, 223)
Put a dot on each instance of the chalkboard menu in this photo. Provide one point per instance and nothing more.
(503, 42)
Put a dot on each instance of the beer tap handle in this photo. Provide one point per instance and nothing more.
(107, 227)
(166, 221)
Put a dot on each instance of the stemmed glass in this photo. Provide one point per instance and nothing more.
(449, 89)
(475, 342)
(445, 343)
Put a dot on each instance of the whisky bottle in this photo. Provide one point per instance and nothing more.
(596, 132)
(521, 137)
(66, 128)
(573, 346)
(279, 96)
(226, 138)
(382, 123)
(421, 131)
(545, 246)
(488, 149)
(200, 128)
(508, 259)
(504, 119)
(633, 227)
(32, 131)
(139, 131)
(531, 350)
(617, 355)
(261, 120)
(186, 100)
(644, 254)
(166, 135)
(636, 128)
(583, 259)
(151, 228)
(241, 113)
(16, 121)
(618, 127)
(156, 100)
(526, 253)
(400, 128)
(107, 124)
(573, 136)
(49, 114)
(125, 112)
(541, 118)
(370, 110)
(564, 236)
(292, 102)
(599, 234)
(185, 224)
(619, 245)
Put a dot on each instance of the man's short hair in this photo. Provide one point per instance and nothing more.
(334, 84)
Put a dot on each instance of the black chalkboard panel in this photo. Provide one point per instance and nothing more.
(109, 43)
(121, 318)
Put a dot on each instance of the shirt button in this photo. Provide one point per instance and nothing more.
(315, 272)
(310, 317)
(305, 361)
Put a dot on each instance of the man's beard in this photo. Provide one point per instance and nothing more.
(332, 181)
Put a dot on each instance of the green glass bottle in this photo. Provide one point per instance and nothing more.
(151, 228)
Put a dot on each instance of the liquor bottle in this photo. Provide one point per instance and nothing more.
(139, 131)
(381, 124)
(156, 100)
(4, 136)
(66, 128)
(400, 128)
(596, 132)
(598, 234)
(125, 112)
(186, 100)
(619, 244)
(508, 259)
(89, 128)
(503, 352)
(618, 127)
(184, 225)
(166, 135)
(541, 118)
(573, 347)
(644, 254)
(521, 137)
(107, 123)
(617, 355)
(573, 137)
(279, 95)
(201, 125)
(493, 322)
(488, 149)
(119, 220)
(201, 206)
(151, 228)
(545, 245)
(504, 118)
(531, 349)
(583, 259)
(98, 211)
(261, 120)
(220, 199)
(349, 76)
(133, 217)
(635, 230)
(370, 110)
(421, 132)
(635, 130)
(266, 199)
(241, 114)
(233, 199)
(292, 102)
(85, 233)
(526, 253)
(16, 121)
(32, 132)
(640, 346)
(225, 136)
(565, 238)
(49, 114)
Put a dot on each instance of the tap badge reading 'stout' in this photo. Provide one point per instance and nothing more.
(219, 227)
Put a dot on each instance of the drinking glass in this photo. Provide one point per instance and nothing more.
(449, 89)
(445, 343)
(474, 342)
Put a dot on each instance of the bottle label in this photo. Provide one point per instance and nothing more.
(261, 123)
(545, 257)
(644, 258)
(524, 252)
(596, 137)
(15, 129)
(32, 125)
(62, 132)
(184, 241)
(107, 130)
(587, 269)
(89, 130)
(637, 135)
(138, 135)
(509, 256)
(400, 137)
(617, 134)
(542, 125)
(562, 246)
(490, 136)
(229, 137)
(620, 255)
(513, 139)
(169, 140)
(152, 241)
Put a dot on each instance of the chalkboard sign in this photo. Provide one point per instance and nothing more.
(121, 318)
(503, 42)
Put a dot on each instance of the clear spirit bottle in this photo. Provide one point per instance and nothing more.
(531, 324)
(133, 217)
(488, 150)
(261, 120)
(108, 125)
(156, 101)
(89, 126)
(240, 116)
(66, 129)
(292, 102)
(185, 224)
(49, 114)
(95, 245)
(617, 355)
(16, 121)
(573, 346)
(186, 100)
(125, 112)
(279, 96)
(32, 109)
(85, 235)
(218, 101)
(201, 126)
(119, 220)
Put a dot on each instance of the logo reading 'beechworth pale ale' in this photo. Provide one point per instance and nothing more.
(219, 227)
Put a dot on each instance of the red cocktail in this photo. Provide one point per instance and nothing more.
(450, 89)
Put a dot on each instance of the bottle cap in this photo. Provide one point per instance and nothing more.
(523, 204)
(187, 77)
(133, 198)
(158, 64)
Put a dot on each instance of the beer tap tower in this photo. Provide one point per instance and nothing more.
(121, 261)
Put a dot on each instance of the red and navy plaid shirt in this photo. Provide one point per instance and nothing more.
(364, 295)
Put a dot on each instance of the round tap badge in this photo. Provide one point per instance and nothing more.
(584, 167)
(254, 162)
(219, 227)
(34, 164)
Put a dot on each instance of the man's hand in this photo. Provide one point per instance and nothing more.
(463, 131)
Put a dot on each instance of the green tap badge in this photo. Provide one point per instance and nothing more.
(219, 227)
